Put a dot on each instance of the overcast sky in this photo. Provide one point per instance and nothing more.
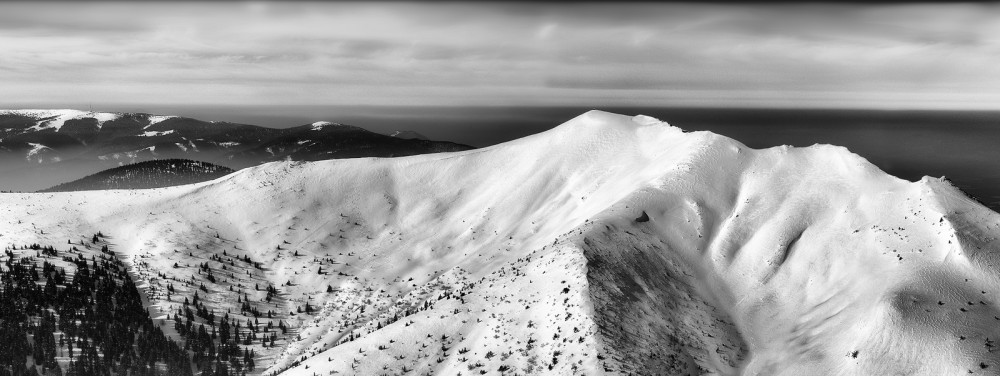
(927, 56)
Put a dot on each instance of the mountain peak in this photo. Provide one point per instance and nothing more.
(598, 121)
(726, 259)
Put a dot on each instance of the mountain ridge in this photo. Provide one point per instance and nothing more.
(530, 257)
(42, 148)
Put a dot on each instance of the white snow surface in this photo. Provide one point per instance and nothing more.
(154, 119)
(610, 244)
(156, 134)
(103, 117)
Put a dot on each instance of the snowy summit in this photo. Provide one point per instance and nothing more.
(610, 244)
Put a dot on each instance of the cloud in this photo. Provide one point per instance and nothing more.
(482, 54)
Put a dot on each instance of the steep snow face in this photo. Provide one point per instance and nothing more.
(607, 244)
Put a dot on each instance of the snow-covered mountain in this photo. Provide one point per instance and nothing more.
(42, 148)
(608, 245)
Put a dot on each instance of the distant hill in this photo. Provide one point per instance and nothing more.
(149, 174)
(408, 135)
(41, 148)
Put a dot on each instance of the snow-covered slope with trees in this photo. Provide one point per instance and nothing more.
(608, 245)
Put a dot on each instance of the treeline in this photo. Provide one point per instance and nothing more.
(149, 174)
(86, 312)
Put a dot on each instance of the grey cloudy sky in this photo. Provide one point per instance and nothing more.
(936, 56)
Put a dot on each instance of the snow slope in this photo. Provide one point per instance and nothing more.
(610, 244)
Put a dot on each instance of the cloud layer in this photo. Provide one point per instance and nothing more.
(256, 53)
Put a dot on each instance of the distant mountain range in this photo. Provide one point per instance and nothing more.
(42, 148)
(149, 174)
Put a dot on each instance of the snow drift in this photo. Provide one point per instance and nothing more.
(609, 244)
